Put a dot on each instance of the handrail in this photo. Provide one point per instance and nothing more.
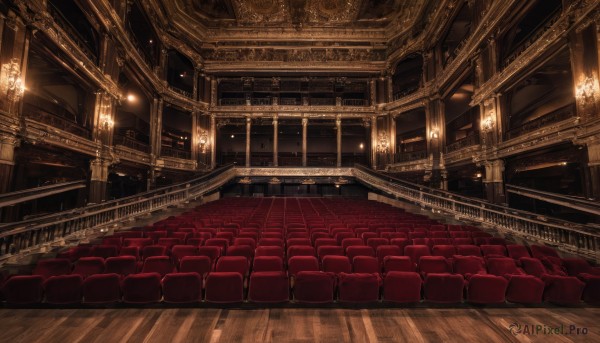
(575, 238)
(12, 198)
(46, 230)
(576, 203)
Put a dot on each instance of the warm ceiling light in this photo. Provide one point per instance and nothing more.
(361, 145)
(232, 136)
(131, 98)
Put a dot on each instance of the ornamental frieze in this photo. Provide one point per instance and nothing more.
(294, 55)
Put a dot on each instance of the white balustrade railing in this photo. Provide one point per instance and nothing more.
(570, 237)
(32, 234)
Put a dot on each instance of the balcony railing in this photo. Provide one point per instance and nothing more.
(355, 102)
(289, 101)
(57, 122)
(131, 143)
(12, 198)
(322, 102)
(261, 102)
(570, 237)
(185, 93)
(405, 92)
(539, 31)
(561, 114)
(232, 102)
(55, 228)
(470, 140)
(177, 153)
(411, 156)
(64, 24)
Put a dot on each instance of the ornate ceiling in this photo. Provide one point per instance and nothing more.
(299, 13)
(238, 33)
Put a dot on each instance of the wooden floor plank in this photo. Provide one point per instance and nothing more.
(293, 325)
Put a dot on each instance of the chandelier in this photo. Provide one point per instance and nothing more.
(382, 143)
(11, 81)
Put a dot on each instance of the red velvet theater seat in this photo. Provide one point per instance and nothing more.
(87, 266)
(224, 287)
(237, 264)
(314, 287)
(298, 264)
(23, 289)
(398, 264)
(366, 264)
(180, 251)
(122, 265)
(353, 241)
(102, 289)
(329, 250)
(469, 265)
(300, 250)
(522, 288)
(541, 251)
(358, 287)
(130, 251)
(241, 250)
(591, 292)
(576, 266)
(337, 264)
(158, 264)
(63, 289)
(563, 290)
(443, 288)
(52, 267)
(387, 250)
(153, 250)
(196, 264)
(416, 251)
(434, 264)
(486, 289)
(269, 251)
(493, 250)
(447, 251)
(211, 251)
(143, 288)
(516, 251)
(182, 288)
(402, 287)
(267, 264)
(269, 287)
(359, 250)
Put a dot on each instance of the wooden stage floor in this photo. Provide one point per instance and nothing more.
(466, 324)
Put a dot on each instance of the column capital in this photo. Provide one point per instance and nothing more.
(304, 121)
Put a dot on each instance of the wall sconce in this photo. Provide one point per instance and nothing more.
(12, 84)
(435, 134)
(106, 122)
(586, 89)
(487, 124)
(382, 143)
(203, 141)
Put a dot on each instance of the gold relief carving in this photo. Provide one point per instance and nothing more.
(294, 55)
(43, 133)
(331, 11)
(261, 11)
(125, 153)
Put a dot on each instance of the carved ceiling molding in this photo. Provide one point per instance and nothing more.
(318, 12)
(263, 12)
(293, 55)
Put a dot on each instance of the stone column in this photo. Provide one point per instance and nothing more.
(392, 138)
(338, 126)
(98, 181)
(367, 146)
(275, 141)
(435, 130)
(196, 136)
(248, 130)
(374, 142)
(494, 181)
(304, 133)
(213, 141)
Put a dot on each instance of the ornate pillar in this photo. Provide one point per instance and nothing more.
(435, 130)
(98, 180)
(156, 110)
(248, 142)
(195, 91)
(213, 91)
(338, 127)
(367, 145)
(374, 142)
(494, 181)
(213, 141)
(275, 141)
(304, 133)
(8, 143)
(392, 138)
(196, 132)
